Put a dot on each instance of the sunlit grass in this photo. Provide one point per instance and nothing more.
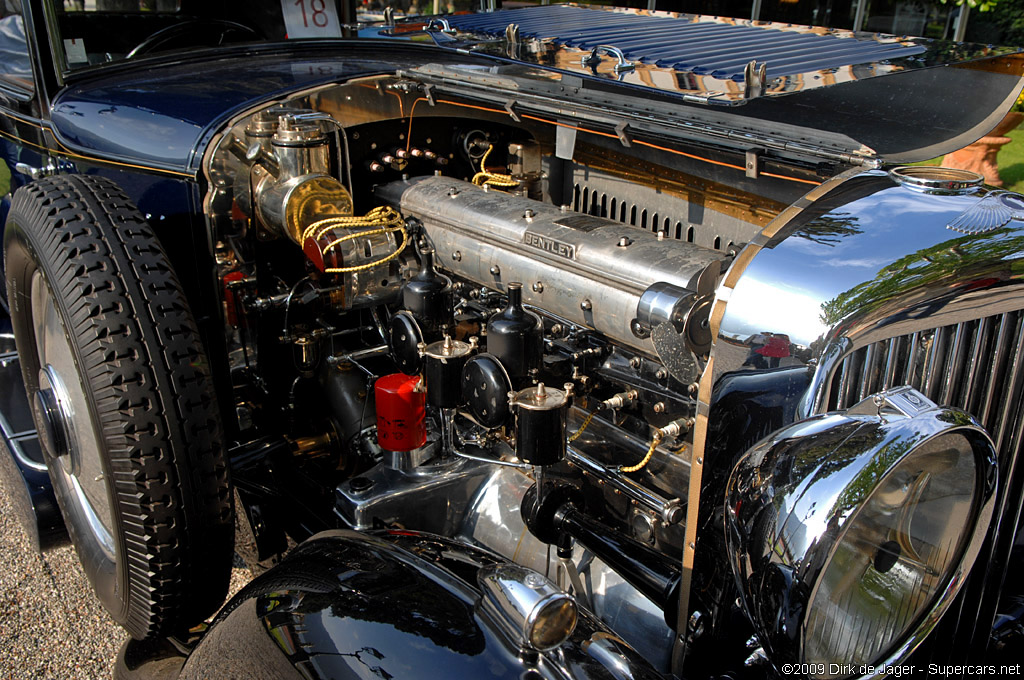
(1011, 161)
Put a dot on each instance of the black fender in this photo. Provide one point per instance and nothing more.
(31, 495)
(393, 604)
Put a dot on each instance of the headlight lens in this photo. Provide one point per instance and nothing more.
(849, 533)
(553, 623)
(896, 556)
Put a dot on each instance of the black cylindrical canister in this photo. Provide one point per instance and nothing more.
(516, 336)
(443, 362)
(428, 295)
(540, 424)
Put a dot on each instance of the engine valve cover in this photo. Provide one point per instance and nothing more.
(589, 270)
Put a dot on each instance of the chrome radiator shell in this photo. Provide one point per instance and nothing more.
(872, 285)
(589, 270)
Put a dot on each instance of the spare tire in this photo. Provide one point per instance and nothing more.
(123, 401)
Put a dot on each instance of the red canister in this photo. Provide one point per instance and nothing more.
(400, 412)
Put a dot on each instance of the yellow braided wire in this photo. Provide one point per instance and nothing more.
(492, 178)
(381, 216)
(385, 218)
(359, 234)
(375, 263)
(650, 453)
(576, 435)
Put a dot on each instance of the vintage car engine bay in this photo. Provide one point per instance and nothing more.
(493, 327)
(522, 344)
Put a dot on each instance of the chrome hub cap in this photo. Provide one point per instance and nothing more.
(65, 423)
(53, 407)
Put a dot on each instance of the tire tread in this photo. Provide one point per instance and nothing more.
(150, 382)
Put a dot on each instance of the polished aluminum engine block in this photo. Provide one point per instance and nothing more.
(592, 271)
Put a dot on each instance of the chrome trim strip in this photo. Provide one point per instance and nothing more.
(705, 390)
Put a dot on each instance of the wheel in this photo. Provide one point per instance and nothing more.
(193, 32)
(123, 402)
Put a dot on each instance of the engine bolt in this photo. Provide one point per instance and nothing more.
(557, 330)
(538, 287)
(453, 192)
(586, 305)
(624, 241)
(636, 362)
(529, 214)
(495, 270)
(660, 374)
(659, 407)
(457, 256)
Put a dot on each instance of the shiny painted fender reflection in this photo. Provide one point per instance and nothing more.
(395, 604)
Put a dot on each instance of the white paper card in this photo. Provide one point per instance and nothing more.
(311, 18)
(74, 49)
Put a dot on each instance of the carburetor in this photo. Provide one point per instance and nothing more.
(291, 177)
(294, 195)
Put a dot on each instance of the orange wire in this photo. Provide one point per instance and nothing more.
(412, 110)
(471, 106)
(689, 155)
(605, 134)
(572, 127)
(791, 179)
(401, 103)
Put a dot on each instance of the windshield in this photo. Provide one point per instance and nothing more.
(95, 32)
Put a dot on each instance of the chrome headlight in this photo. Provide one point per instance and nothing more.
(850, 533)
(529, 608)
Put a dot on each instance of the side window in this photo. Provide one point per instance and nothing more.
(15, 65)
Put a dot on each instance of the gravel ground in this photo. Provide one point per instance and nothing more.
(51, 625)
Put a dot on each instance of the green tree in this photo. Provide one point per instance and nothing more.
(1003, 25)
(981, 5)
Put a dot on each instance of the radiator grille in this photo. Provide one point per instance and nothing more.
(974, 365)
(978, 366)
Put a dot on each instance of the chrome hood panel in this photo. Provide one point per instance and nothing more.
(864, 285)
(810, 86)
(713, 51)
(868, 260)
